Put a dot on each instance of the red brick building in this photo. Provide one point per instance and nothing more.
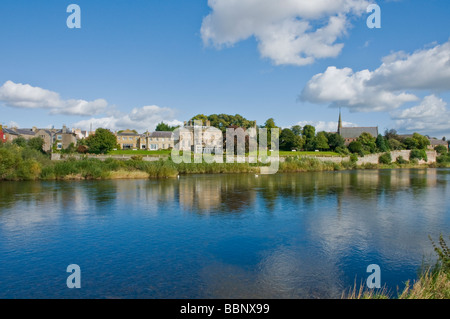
(2, 136)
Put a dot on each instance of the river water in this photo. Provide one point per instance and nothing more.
(305, 235)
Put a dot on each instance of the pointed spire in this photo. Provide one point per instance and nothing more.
(340, 122)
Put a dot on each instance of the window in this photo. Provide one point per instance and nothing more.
(153, 147)
(59, 146)
(59, 137)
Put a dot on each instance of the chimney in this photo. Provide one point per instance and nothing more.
(34, 129)
(64, 129)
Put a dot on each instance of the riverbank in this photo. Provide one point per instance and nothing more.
(89, 169)
(18, 163)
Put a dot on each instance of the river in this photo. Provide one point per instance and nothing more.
(304, 235)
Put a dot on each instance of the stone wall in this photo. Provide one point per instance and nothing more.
(373, 158)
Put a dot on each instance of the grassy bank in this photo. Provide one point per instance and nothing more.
(19, 163)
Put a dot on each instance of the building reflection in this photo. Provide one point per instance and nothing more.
(216, 194)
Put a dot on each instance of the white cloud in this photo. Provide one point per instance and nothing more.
(288, 31)
(141, 119)
(386, 88)
(345, 88)
(26, 96)
(430, 116)
(427, 69)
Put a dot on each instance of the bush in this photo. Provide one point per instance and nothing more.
(418, 154)
(342, 150)
(440, 149)
(353, 158)
(444, 158)
(401, 160)
(386, 158)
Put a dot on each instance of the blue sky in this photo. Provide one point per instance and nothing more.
(135, 63)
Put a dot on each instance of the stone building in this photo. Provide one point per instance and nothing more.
(350, 134)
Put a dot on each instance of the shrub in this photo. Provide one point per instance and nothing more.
(353, 158)
(440, 149)
(386, 158)
(418, 154)
(401, 160)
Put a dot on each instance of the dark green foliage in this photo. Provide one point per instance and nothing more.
(441, 149)
(102, 142)
(36, 143)
(386, 158)
(356, 147)
(381, 143)
(163, 127)
(401, 160)
(289, 141)
(20, 141)
(418, 154)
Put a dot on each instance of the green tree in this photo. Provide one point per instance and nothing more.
(368, 143)
(321, 142)
(309, 135)
(440, 149)
(289, 141)
(36, 143)
(102, 142)
(335, 141)
(20, 141)
(394, 144)
(356, 148)
(381, 143)
(297, 129)
(163, 127)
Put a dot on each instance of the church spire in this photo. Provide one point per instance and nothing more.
(340, 123)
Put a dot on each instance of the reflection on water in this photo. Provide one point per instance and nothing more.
(308, 235)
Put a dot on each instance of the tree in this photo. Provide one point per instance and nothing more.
(368, 142)
(163, 127)
(321, 142)
(297, 129)
(422, 141)
(335, 141)
(20, 141)
(309, 134)
(289, 141)
(440, 149)
(394, 144)
(356, 147)
(36, 143)
(102, 142)
(417, 141)
(381, 143)
(391, 134)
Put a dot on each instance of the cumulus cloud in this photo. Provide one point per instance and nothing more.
(430, 116)
(141, 119)
(295, 32)
(345, 88)
(26, 96)
(388, 87)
